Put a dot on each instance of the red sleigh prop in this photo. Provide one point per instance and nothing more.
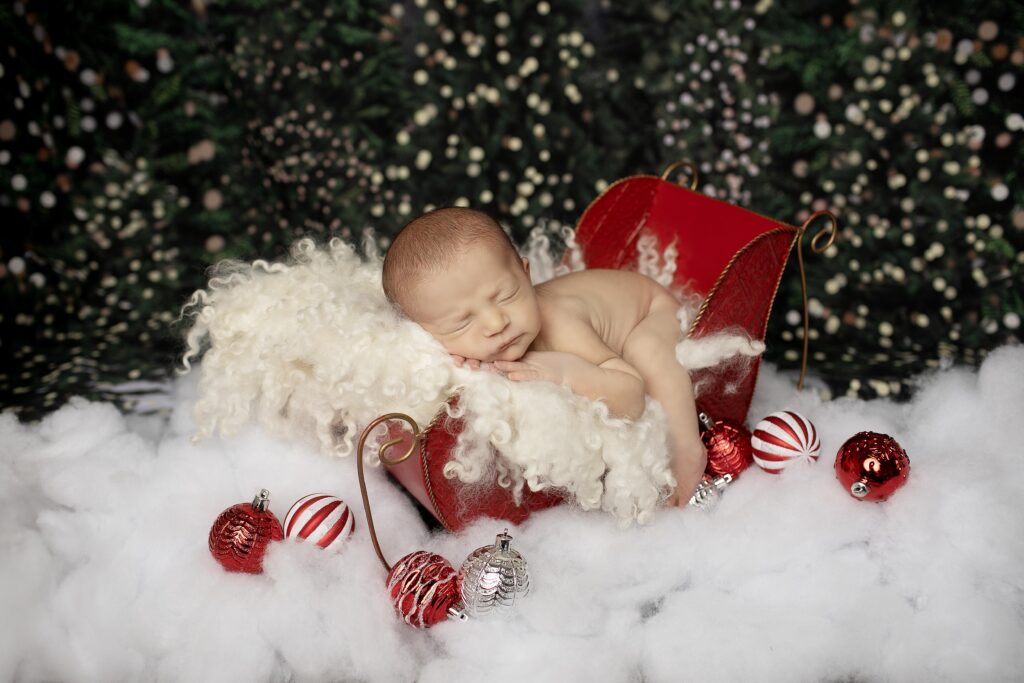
(732, 257)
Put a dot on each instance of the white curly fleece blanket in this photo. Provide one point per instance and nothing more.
(313, 350)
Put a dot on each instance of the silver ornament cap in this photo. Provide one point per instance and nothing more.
(493, 578)
(709, 491)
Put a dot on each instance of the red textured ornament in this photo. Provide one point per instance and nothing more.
(728, 446)
(240, 535)
(871, 466)
(423, 587)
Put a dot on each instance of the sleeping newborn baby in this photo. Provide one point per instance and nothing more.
(608, 335)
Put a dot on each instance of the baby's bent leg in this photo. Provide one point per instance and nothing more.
(650, 348)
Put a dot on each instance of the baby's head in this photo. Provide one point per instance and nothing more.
(456, 273)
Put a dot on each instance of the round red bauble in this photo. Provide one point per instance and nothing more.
(871, 466)
(728, 446)
(240, 535)
(423, 587)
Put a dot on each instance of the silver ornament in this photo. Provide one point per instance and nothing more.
(493, 578)
(709, 491)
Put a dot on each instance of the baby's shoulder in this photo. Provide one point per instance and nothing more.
(567, 324)
(586, 280)
(600, 289)
(561, 302)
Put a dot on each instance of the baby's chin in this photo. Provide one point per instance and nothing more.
(512, 353)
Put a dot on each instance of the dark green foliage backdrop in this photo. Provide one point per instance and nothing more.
(143, 140)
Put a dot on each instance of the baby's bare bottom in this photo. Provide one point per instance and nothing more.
(651, 349)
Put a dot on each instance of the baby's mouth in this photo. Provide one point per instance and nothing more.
(509, 343)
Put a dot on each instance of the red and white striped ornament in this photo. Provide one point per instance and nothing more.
(319, 518)
(782, 438)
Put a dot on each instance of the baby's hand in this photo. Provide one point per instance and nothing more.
(548, 366)
(460, 361)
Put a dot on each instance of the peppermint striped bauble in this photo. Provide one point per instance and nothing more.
(783, 438)
(321, 519)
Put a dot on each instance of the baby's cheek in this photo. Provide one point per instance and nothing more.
(448, 346)
(456, 350)
(459, 349)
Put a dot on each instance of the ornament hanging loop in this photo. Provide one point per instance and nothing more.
(829, 236)
(690, 167)
(262, 499)
(417, 437)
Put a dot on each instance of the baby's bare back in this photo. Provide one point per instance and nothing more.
(606, 304)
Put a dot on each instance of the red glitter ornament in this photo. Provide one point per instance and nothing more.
(240, 535)
(728, 446)
(424, 589)
(871, 466)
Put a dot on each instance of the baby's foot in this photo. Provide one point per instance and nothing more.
(688, 464)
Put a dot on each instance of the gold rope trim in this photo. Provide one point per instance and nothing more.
(728, 266)
(424, 462)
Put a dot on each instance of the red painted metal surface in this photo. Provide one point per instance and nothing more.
(453, 503)
(732, 257)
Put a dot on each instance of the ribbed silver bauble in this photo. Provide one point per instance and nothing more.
(709, 491)
(493, 578)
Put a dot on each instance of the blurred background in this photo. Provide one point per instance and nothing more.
(141, 141)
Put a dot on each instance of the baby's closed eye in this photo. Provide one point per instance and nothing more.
(459, 326)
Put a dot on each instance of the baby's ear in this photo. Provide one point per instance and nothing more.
(526, 264)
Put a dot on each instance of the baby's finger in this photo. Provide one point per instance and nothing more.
(474, 363)
(458, 360)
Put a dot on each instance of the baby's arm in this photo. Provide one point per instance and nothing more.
(614, 381)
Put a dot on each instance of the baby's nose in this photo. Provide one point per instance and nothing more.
(495, 321)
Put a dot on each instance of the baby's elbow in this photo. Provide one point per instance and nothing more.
(638, 403)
